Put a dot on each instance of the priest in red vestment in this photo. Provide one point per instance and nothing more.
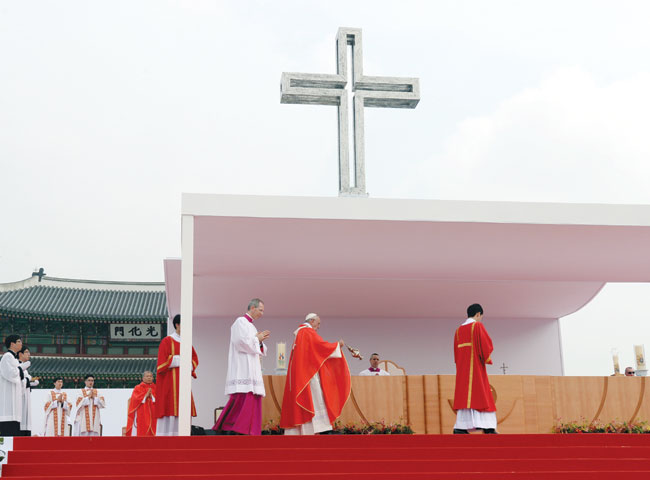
(141, 408)
(318, 382)
(169, 361)
(473, 399)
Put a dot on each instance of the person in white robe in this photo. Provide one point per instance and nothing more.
(88, 420)
(11, 388)
(57, 409)
(244, 382)
(374, 369)
(28, 383)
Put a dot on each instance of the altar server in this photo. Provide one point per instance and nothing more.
(141, 408)
(244, 383)
(57, 409)
(374, 367)
(473, 400)
(11, 388)
(88, 420)
(318, 382)
(26, 419)
(167, 381)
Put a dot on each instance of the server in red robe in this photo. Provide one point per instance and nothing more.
(141, 408)
(473, 399)
(318, 382)
(169, 359)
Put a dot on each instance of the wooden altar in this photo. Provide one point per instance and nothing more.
(525, 404)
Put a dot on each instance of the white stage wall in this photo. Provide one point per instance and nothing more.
(113, 416)
(421, 346)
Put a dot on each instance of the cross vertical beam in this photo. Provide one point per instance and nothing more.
(367, 91)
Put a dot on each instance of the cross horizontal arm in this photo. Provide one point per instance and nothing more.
(312, 88)
(391, 92)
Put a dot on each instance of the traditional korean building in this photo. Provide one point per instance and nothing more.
(77, 327)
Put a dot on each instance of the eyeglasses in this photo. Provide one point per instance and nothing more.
(630, 372)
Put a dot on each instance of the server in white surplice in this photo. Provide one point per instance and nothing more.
(11, 388)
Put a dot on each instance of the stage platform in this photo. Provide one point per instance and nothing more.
(433, 457)
(525, 404)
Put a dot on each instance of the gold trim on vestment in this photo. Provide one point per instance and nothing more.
(465, 345)
(173, 370)
(471, 368)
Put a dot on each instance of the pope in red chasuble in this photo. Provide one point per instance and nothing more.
(318, 382)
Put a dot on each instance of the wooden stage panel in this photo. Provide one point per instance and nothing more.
(525, 404)
(509, 394)
(380, 400)
(577, 398)
(447, 414)
(624, 398)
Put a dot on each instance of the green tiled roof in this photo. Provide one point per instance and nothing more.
(102, 367)
(84, 304)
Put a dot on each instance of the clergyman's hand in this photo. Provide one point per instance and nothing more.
(261, 336)
(341, 342)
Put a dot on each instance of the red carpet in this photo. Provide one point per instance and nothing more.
(453, 457)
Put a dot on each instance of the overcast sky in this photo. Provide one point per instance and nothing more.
(109, 110)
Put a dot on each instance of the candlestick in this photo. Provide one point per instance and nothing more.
(617, 365)
(639, 354)
(280, 358)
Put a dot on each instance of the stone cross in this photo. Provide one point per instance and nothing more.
(504, 367)
(350, 83)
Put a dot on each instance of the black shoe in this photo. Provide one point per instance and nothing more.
(460, 430)
(489, 430)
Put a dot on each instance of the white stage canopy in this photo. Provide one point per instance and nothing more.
(362, 258)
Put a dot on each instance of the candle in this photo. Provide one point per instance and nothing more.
(617, 365)
(281, 355)
(639, 354)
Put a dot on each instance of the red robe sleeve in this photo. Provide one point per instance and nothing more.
(483, 344)
(134, 402)
(309, 356)
(195, 362)
(164, 356)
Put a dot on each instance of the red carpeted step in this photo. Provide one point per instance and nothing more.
(414, 457)
(386, 453)
(287, 465)
(345, 441)
(551, 475)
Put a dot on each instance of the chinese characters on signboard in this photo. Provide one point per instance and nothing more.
(136, 331)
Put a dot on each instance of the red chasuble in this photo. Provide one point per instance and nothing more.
(166, 404)
(310, 356)
(472, 350)
(146, 421)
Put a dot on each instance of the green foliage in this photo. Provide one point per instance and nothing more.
(584, 426)
(377, 428)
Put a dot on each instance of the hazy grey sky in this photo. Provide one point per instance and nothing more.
(110, 109)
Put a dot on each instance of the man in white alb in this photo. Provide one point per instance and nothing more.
(88, 420)
(57, 409)
(374, 367)
(26, 419)
(11, 388)
(244, 382)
